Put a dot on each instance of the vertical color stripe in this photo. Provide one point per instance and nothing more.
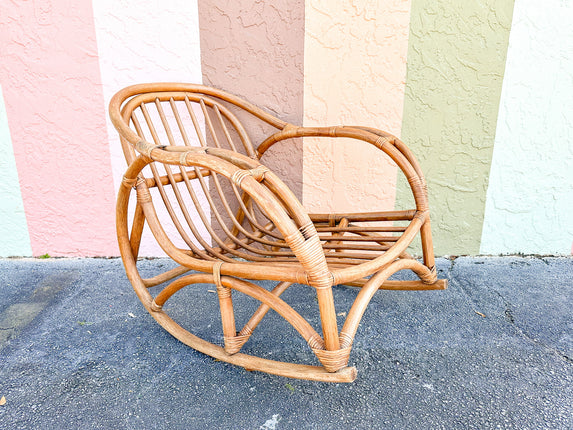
(50, 76)
(530, 196)
(255, 50)
(13, 228)
(354, 71)
(145, 41)
(456, 61)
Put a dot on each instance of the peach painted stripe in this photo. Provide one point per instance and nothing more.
(144, 41)
(50, 75)
(354, 71)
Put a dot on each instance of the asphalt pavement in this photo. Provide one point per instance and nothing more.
(494, 350)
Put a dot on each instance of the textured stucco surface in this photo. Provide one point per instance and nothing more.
(456, 60)
(255, 50)
(143, 41)
(498, 160)
(50, 77)
(530, 194)
(355, 66)
(13, 227)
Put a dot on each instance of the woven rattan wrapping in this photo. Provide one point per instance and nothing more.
(186, 141)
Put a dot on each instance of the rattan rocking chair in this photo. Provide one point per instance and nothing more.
(234, 222)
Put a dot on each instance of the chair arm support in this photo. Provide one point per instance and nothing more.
(266, 189)
(389, 144)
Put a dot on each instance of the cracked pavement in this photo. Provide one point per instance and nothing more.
(77, 350)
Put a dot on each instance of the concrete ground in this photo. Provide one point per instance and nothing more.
(78, 351)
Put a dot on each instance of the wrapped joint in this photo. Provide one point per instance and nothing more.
(155, 307)
(431, 277)
(129, 183)
(235, 343)
(331, 220)
(302, 278)
(223, 292)
(381, 141)
(415, 181)
(183, 158)
(217, 276)
(258, 173)
(418, 185)
(143, 195)
(335, 278)
(305, 244)
(322, 280)
(145, 148)
(315, 342)
(238, 177)
(246, 331)
(333, 360)
(308, 230)
(345, 340)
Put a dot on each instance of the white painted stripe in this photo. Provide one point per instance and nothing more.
(143, 41)
(15, 240)
(529, 203)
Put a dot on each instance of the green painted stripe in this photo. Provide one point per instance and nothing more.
(15, 240)
(456, 60)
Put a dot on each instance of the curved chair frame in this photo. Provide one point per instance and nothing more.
(320, 250)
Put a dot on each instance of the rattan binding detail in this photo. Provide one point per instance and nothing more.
(228, 220)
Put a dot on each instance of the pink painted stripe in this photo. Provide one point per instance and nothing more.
(50, 75)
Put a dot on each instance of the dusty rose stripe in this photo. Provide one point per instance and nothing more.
(255, 50)
(50, 76)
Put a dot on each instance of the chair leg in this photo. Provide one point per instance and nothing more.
(328, 318)
(262, 310)
(427, 245)
(228, 319)
(137, 230)
(332, 357)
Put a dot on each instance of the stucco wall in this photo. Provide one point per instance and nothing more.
(49, 73)
(143, 41)
(255, 50)
(481, 98)
(354, 74)
(530, 196)
(456, 61)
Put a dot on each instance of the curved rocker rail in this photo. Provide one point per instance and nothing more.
(270, 237)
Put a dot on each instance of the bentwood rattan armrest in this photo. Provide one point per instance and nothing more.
(234, 221)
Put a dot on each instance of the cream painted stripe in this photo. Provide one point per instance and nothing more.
(354, 74)
(13, 227)
(145, 41)
(529, 207)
